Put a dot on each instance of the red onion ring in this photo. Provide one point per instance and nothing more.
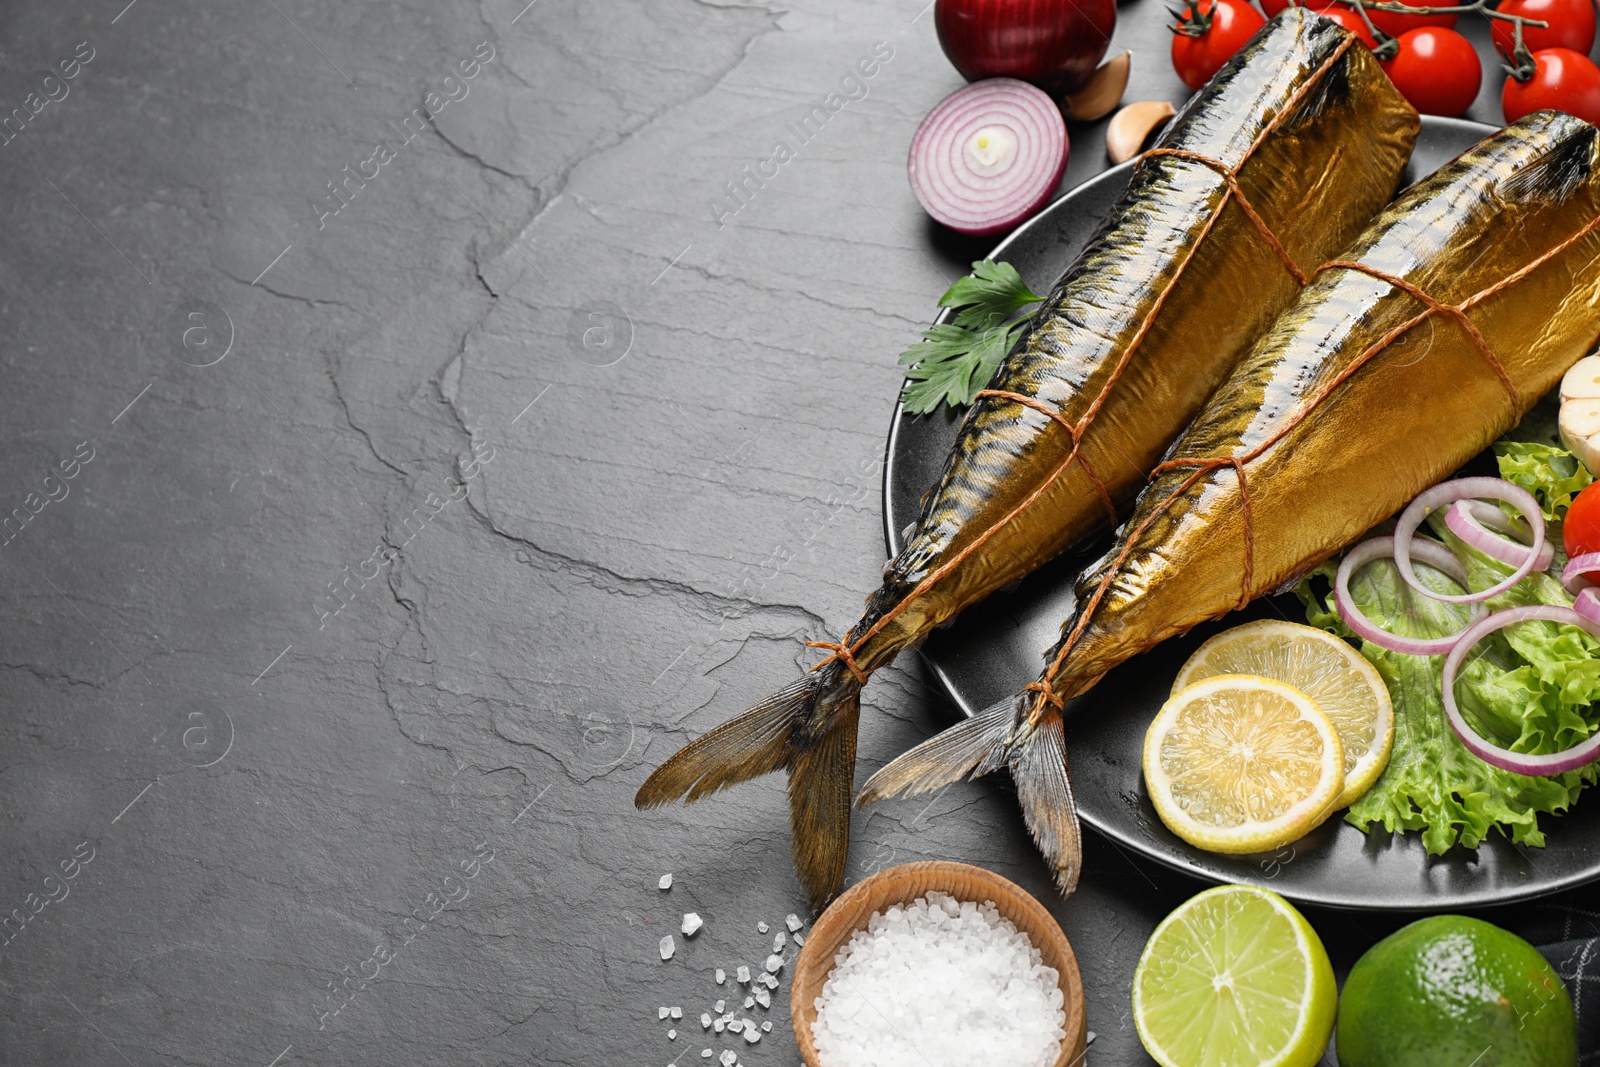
(1484, 527)
(1579, 755)
(1588, 605)
(1430, 552)
(1468, 489)
(988, 156)
(1575, 575)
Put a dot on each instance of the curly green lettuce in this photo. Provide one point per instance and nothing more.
(1531, 690)
(1553, 475)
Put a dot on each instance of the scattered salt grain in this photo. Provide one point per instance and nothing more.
(792, 922)
(672, 1035)
(719, 1006)
(742, 974)
(661, 1013)
(799, 940)
(691, 923)
(763, 998)
(749, 1002)
(705, 1020)
(774, 962)
(751, 1033)
(735, 1026)
(705, 1054)
(665, 883)
(957, 974)
(667, 947)
(718, 1026)
(770, 981)
(778, 941)
(722, 976)
(677, 1013)
(766, 1028)
(761, 928)
(728, 1057)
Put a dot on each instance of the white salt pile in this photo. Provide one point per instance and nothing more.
(939, 982)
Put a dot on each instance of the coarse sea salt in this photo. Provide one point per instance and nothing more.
(667, 947)
(792, 922)
(958, 975)
(691, 923)
(665, 883)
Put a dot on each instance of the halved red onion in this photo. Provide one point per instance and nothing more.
(1579, 755)
(989, 155)
(1575, 575)
(1468, 489)
(1485, 528)
(1430, 552)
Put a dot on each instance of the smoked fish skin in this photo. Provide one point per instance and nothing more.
(1309, 133)
(1361, 396)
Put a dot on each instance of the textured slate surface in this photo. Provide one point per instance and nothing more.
(328, 678)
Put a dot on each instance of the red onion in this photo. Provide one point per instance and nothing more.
(1430, 552)
(1579, 755)
(1055, 44)
(1485, 528)
(988, 156)
(1575, 575)
(1588, 605)
(1468, 489)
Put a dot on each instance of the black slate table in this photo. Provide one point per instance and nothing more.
(434, 474)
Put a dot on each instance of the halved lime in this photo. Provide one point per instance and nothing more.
(1235, 977)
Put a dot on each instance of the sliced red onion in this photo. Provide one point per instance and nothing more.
(1579, 755)
(1430, 552)
(1588, 605)
(989, 155)
(1575, 575)
(1468, 489)
(1485, 528)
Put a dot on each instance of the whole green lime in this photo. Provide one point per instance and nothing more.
(1449, 991)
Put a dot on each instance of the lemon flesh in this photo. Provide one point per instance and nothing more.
(1235, 977)
(1240, 763)
(1347, 688)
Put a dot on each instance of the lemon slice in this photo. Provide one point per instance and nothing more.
(1235, 977)
(1347, 688)
(1240, 763)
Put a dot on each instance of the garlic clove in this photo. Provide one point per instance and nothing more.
(1579, 425)
(1582, 380)
(1129, 128)
(1101, 94)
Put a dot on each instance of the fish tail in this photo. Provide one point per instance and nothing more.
(807, 729)
(1000, 736)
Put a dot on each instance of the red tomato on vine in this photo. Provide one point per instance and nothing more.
(1207, 35)
(1571, 25)
(1560, 79)
(1437, 70)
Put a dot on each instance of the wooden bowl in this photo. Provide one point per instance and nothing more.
(902, 885)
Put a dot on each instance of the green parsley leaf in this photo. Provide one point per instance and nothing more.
(954, 360)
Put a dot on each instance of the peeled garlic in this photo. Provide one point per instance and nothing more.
(1579, 420)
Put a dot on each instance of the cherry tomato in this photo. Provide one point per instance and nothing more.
(1208, 33)
(1562, 79)
(1571, 25)
(1580, 532)
(1395, 24)
(1437, 70)
(1350, 20)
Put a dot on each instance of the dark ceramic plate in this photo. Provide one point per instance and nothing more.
(997, 647)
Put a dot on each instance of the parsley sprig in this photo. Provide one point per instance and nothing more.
(956, 359)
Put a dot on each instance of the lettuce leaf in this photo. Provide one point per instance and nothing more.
(1553, 475)
(1531, 689)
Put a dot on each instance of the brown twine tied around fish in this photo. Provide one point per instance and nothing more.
(1204, 466)
(1231, 176)
(1072, 431)
(844, 649)
(841, 652)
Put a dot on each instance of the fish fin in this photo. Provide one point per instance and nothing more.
(1039, 767)
(808, 729)
(820, 777)
(971, 748)
(992, 739)
(747, 746)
